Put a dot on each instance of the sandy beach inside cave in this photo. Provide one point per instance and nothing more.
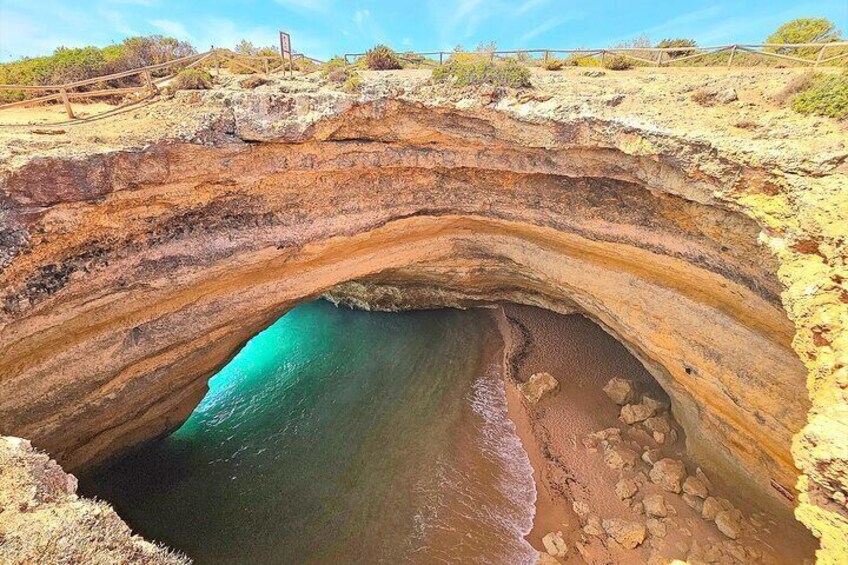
(583, 358)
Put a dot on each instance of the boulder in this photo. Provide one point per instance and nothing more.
(619, 457)
(669, 474)
(593, 526)
(537, 386)
(626, 488)
(655, 506)
(712, 506)
(657, 424)
(554, 544)
(729, 522)
(651, 402)
(651, 456)
(628, 533)
(695, 487)
(656, 528)
(621, 391)
(635, 413)
(693, 502)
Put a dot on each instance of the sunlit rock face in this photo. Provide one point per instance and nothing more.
(130, 277)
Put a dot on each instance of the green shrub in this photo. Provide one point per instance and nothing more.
(352, 84)
(805, 30)
(796, 84)
(827, 95)
(192, 79)
(336, 70)
(478, 70)
(617, 63)
(68, 65)
(674, 43)
(381, 58)
(553, 64)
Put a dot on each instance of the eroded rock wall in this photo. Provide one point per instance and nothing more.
(132, 276)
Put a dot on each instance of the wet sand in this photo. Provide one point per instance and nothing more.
(583, 358)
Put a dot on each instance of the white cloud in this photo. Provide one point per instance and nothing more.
(545, 27)
(173, 28)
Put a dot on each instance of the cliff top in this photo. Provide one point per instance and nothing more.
(737, 111)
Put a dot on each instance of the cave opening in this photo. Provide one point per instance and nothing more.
(341, 434)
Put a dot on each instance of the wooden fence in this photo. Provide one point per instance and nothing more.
(149, 84)
(655, 56)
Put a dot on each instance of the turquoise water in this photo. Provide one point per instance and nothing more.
(338, 436)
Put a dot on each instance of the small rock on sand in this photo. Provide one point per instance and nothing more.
(695, 487)
(651, 456)
(729, 522)
(580, 508)
(620, 391)
(545, 559)
(626, 488)
(669, 474)
(629, 534)
(658, 424)
(618, 457)
(593, 526)
(655, 506)
(554, 544)
(635, 413)
(657, 528)
(537, 386)
(713, 505)
(651, 402)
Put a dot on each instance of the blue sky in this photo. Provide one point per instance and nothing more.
(321, 28)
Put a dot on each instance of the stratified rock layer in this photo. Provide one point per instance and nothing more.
(131, 276)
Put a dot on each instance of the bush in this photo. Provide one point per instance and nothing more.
(673, 43)
(336, 70)
(192, 79)
(617, 63)
(352, 84)
(553, 64)
(827, 95)
(381, 58)
(67, 65)
(477, 70)
(796, 84)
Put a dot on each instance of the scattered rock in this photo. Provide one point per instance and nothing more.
(604, 437)
(669, 474)
(635, 413)
(638, 507)
(726, 96)
(614, 100)
(619, 457)
(580, 508)
(545, 559)
(703, 478)
(593, 73)
(651, 456)
(656, 528)
(659, 437)
(655, 506)
(539, 385)
(658, 424)
(712, 506)
(729, 522)
(695, 487)
(253, 81)
(626, 488)
(693, 502)
(593, 526)
(629, 534)
(651, 402)
(554, 544)
(621, 391)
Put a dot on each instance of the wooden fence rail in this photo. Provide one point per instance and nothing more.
(659, 53)
(65, 92)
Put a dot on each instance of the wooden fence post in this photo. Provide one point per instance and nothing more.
(660, 58)
(603, 57)
(820, 56)
(441, 61)
(149, 82)
(546, 56)
(67, 102)
(732, 55)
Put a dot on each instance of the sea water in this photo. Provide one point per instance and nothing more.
(340, 436)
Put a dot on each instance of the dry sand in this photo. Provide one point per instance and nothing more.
(583, 358)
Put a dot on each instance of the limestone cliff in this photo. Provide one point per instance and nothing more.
(136, 266)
